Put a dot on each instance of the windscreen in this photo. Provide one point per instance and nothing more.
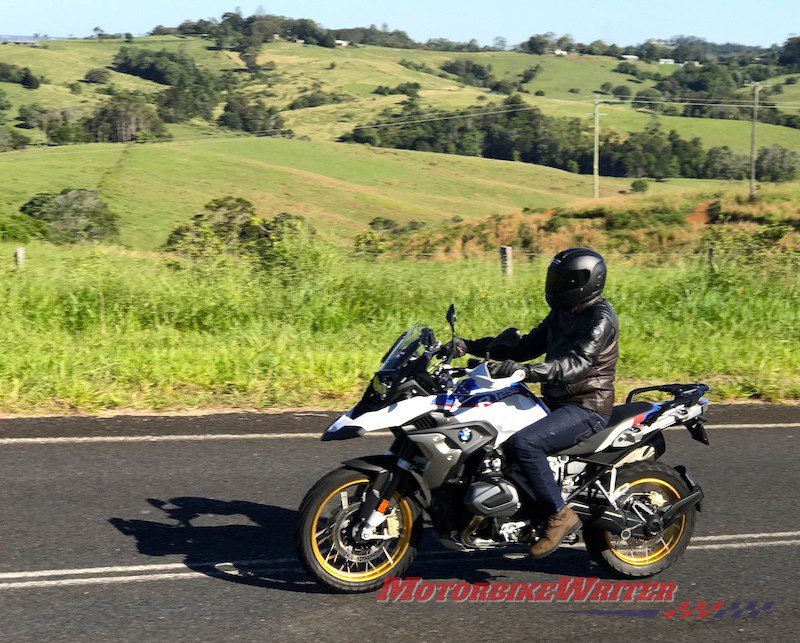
(408, 344)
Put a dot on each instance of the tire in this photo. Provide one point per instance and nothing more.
(323, 565)
(609, 551)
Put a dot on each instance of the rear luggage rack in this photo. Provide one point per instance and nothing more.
(687, 393)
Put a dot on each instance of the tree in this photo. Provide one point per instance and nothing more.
(73, 216)
(776, 163)
(10, 139)
(121, 118)
(622, 92)
(647, 98)
(537, 44)
(251, 116)
(789, 55)
(29, 81)
(99, 76)
(284, 245)
(565, 43)
(128, 37)
(723, 163)
(500, 43)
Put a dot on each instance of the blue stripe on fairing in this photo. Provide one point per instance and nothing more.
(463, 396)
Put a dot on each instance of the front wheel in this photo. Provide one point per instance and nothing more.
(325, 542)
(654, 485)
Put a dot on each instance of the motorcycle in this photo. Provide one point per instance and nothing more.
(363, 522)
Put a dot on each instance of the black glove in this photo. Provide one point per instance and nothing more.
(500, 370)
(457, 348)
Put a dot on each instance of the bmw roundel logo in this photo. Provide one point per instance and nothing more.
(465, 435)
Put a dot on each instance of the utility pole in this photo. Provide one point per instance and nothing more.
(596, 162)
(756, 90)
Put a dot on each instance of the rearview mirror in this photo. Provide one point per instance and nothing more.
(427, 337)
(451, 317)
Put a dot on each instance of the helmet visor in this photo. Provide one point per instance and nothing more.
(559, 281)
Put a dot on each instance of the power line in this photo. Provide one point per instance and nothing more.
(469, 113)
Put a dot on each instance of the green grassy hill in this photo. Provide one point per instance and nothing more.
(356, 72)
(338, 187)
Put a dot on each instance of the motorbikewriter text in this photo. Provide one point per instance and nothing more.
(565, 589)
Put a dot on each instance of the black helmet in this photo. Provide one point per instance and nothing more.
(575, 276)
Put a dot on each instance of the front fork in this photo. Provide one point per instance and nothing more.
(372, 513)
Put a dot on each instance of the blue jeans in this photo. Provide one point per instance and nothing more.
(563, 428)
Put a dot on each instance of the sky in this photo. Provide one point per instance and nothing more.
(620, 22)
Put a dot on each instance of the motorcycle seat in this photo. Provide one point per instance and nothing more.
(620, 414)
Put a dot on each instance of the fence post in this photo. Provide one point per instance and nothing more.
(506, 261)
(19, 258)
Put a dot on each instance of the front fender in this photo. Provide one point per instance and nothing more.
(375, 464)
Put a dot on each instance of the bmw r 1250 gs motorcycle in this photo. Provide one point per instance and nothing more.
(363, 522)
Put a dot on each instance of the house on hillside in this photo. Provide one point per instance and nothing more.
(342, 43)
(666, 61)
(21, 41)
(629, 57)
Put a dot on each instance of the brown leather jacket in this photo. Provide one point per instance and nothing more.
(581, 349)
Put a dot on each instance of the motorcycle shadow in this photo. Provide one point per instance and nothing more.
(262, 553)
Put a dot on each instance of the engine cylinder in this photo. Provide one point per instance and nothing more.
(494, 498)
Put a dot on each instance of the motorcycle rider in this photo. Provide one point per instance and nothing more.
(580, 340)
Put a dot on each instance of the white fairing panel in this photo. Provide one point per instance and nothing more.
(504, 403)
(508, 415)
(390, 416)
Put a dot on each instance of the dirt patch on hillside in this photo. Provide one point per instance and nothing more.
(699, 217)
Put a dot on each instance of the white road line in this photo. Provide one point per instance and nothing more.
(200, 437)
(101, 580)
(134, 568)
(755, 543)
(22, 580)
(163, 438)
(774, 534)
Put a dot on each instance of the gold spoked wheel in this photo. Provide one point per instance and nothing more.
(647, 495)
(339, 554)
(652, 487)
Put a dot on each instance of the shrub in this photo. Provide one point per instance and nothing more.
(72, 216)
(622, 92)
(98, 76)
(539, 92)
(18, 227)
(10, 139)
(317, 98)
(29, 81)
(284, 245)
(639, 185)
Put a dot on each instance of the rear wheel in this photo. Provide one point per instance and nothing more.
(327, 547)
(653, 485)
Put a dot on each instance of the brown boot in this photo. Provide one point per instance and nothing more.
(559, 526)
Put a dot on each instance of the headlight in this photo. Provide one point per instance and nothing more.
(379, 386)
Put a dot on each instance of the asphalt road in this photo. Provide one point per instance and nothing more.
(109, 529)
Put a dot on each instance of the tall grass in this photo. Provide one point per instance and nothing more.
(94, 328)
